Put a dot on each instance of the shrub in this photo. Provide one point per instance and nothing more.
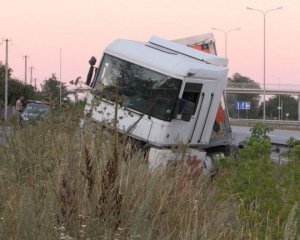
(264, 193)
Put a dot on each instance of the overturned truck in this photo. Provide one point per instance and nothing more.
(167, 93)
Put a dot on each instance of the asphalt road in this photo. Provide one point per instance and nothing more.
(277, 136)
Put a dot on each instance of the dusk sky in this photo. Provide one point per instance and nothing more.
(82, 28)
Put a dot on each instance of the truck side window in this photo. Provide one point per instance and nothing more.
(192, 93)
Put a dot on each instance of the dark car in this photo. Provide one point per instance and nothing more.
(35, 110)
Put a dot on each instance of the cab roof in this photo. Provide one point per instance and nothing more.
(168, 57)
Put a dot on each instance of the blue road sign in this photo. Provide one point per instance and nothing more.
(242, 105)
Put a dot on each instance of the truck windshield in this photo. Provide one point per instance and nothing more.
(137, 87)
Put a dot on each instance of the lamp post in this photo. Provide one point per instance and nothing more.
(264, 13)
(279, 107)
(225, 33)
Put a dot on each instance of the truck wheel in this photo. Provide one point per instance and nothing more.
(234, 152)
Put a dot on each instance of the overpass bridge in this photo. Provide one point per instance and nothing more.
(276, 124)
(261, 91)
(271, 89)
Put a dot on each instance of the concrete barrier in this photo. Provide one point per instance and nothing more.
(277, 124)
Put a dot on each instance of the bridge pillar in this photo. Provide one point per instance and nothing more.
(299, 108)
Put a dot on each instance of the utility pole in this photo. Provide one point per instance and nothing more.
(60, 78)
(31, 68)
(25, 79)
(35, 84)
(279, 107)
(298, 108)
(6, 80)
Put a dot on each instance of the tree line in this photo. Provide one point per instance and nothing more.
(50, 89)
(284, 107)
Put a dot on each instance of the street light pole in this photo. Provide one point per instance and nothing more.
(279, 107)
(264, 13)
(225, 33)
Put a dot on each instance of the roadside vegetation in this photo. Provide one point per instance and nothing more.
(61, 182)
(48, 91)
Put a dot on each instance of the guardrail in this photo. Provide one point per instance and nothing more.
(277, 87)
(280, 124)
(243, 85)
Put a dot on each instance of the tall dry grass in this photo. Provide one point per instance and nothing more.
(60, 182)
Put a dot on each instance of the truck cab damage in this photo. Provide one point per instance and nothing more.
(166, 94)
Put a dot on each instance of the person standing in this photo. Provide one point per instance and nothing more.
(20, 107)
(19, 104)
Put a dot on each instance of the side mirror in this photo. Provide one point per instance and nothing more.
(184, 108)
(92, 62)
(187, 111)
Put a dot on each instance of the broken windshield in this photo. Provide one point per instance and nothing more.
(137, 87)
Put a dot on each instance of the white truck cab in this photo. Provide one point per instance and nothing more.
(167, 93)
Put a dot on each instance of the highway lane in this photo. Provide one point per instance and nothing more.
(277, 136)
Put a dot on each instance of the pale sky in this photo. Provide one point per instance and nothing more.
(82, 28)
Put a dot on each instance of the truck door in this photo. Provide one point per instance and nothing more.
(203, 94)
